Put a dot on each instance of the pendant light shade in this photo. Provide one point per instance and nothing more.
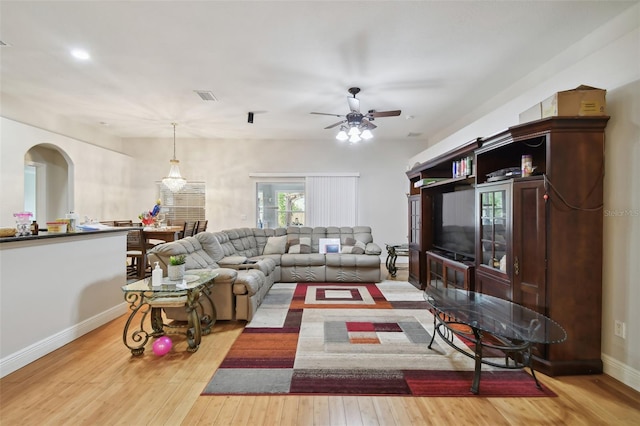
(342, 135)
(174, 181)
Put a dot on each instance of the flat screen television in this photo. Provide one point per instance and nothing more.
(454, 223)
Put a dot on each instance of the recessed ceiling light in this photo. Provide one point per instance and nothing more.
(81, 54)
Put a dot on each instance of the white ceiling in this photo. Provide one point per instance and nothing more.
(434, 60)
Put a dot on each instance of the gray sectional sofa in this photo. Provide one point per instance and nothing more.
(250, 260)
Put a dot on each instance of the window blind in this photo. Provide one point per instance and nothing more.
(332, 200)
(188, 204)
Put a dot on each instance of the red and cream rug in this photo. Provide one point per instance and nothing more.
(353, 339)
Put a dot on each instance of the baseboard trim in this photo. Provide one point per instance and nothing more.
(39, 349)
(621, 372)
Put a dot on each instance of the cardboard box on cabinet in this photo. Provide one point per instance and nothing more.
(581, 101)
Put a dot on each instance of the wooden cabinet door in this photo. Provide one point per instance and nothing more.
(529, 244)
(492, 285)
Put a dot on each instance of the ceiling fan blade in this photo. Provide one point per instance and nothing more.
(324, 113)
(384, 113)
(336, 124)
(369, 124)
(354, 104)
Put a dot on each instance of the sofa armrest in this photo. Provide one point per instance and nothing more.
(372, 248)
(231, 261)
(251, 264)
(224, 274)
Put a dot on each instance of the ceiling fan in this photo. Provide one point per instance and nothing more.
(357, 119)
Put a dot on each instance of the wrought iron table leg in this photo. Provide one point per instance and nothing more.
(433, 337)
(207, 322)
(475, 386)
(391, 261)
(156, 322)
(140, 336)
(194, 331)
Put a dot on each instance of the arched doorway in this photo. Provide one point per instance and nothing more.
(48, 182)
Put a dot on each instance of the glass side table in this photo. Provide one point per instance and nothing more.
(145, 300)
(393, 251)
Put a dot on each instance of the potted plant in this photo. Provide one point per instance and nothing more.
(175, 270)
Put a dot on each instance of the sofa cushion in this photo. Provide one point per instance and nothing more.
(299, 249)
(276, 245)
(301, 245)
(302, 240)
(357, 248)
(353, 260)
(262, 234)
(197, 256)
(211, 245)
(243, 242)
(312, 259)
(351, 245)
(226, 248)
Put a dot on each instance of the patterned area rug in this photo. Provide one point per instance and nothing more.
(353, 339)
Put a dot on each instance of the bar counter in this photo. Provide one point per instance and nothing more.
(56, 287)
(42, 235)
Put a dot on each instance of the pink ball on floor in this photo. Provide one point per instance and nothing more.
(162, 346)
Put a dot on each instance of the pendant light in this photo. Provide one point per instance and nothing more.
(175, 182)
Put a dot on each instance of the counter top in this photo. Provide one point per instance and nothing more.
(46, 235)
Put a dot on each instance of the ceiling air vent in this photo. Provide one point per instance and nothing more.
(205, 95)
(413, 135)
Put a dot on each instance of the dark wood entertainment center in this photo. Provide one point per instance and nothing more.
(538, 239)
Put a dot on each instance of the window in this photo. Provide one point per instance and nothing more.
(306, 199)
(280, 204)
(188, 204)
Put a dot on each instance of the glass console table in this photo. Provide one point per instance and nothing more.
(145, 300)
(493, 323)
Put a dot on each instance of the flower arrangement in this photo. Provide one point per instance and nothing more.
(178, 259)
(149, 218)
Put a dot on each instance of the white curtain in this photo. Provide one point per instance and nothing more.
(332, 200)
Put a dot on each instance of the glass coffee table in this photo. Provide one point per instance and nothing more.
(490, 323)
(145, 300)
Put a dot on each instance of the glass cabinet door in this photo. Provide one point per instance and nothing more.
(494, 214)
(414, 219)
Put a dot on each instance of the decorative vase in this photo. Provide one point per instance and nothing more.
(175, 272)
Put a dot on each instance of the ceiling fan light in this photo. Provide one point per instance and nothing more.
(354, 131)
(342, 136)
(366, 135)
(354, 139)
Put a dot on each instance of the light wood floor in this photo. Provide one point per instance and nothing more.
(95, 381)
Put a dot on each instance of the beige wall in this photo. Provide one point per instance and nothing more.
(610, 59)
(225, 166)
(101, 176)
